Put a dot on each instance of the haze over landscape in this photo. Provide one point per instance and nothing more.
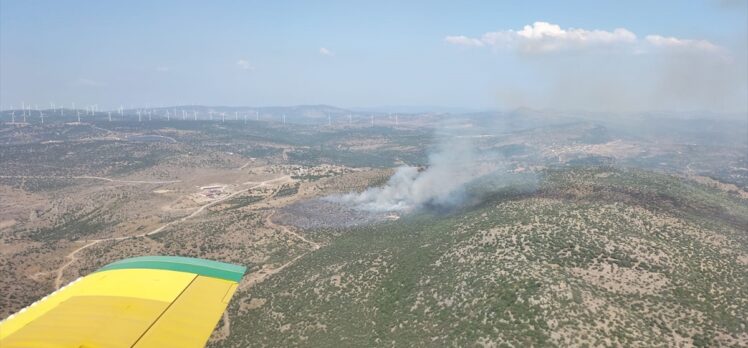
(579, 55)
(391, 174)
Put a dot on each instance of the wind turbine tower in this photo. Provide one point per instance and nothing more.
(78, 112)
(284, 118)
(110, 115)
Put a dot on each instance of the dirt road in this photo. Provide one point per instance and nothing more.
(71, 257)
(88, 178)
(269, 222)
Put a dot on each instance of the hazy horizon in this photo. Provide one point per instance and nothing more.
(480, 56)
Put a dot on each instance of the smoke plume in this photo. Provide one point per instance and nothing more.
(441, 184)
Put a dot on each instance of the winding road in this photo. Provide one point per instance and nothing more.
(71, 257)
(248, 281)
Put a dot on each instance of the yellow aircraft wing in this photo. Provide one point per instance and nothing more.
(150, 301)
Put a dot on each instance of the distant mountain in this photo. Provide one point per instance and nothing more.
(413, 109)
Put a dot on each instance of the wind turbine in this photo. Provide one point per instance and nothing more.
(329, 120)
(78, 112)
(168, 118)
(13, 116)
(257, 115)
(284, 118)
(223, 117)
(236, 116)
(139, 118)
(110, 115)
(41, 114)
(194, 113)
(396, 120)
(372, 120)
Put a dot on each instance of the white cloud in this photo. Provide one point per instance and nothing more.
(325, 52)
(464, 41)
(244, 64)
(649, 71)
(541, 37)
(664, 41)
(544, 37)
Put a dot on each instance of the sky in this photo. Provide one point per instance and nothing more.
(616, 56)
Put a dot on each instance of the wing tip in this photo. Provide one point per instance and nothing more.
(204, 267)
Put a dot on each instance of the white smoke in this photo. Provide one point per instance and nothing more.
(441, 184)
